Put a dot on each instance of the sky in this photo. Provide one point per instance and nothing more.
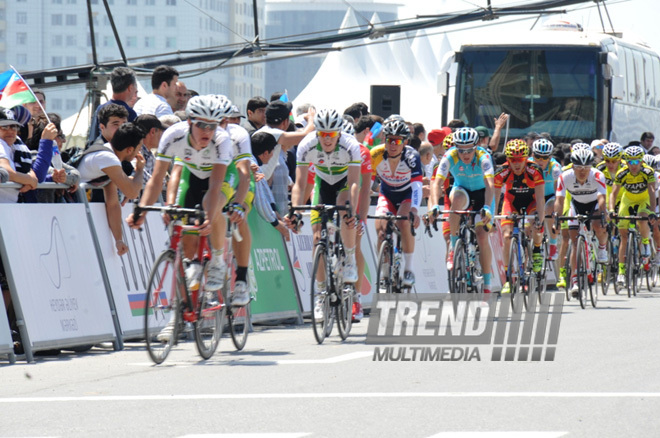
(635, 18)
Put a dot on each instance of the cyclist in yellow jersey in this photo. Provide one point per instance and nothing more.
(637, 180)
(611, 164)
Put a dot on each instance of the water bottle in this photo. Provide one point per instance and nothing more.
(57, 158)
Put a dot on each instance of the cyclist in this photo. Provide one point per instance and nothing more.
(206, 152)
(447, 144)
(472, 169)
(336, 158)
(523, 184)
(542, 155)
(638, 183)
(399, 168)
(587, 188)
(610, 165)
(652, 161)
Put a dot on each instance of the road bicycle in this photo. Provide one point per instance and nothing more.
(611, 268)
(389, 272)
(329, 256)
(633, 256)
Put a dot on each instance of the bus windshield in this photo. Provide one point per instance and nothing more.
(551, 90)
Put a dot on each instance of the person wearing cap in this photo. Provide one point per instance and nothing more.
(256, 114)
(436, 137)
(235, 116)
(16, 158)
(277, 123)
(597, 148)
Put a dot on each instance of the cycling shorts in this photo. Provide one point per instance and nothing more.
(510, 208)
(577, 208)
(325, 193)
(475, 201)
(230, 185)
(631, 208)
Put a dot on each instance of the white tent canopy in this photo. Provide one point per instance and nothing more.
(346, 76)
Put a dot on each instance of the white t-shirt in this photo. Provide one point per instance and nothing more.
(92, 165)
(174, 143)
(153, 104)
(8, 195)
(269, 168)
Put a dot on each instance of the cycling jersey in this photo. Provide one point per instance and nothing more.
(519, 190)
(609, 180)
(402, 183)
(582, 193)
(636, 186)
(471, 176)
(330, 167)
(550, 175)
(175, 143)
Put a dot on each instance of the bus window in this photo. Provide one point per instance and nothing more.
(656, 77)
(630, 76)
(640, 86)
(648, 80)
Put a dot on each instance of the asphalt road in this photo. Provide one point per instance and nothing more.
(604, 381)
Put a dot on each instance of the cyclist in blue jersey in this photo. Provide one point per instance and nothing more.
(542, 155)
(472, 169)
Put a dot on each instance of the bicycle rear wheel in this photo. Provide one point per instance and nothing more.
(321, 322)
(345, 310)
(513, 274)
(542, 276)
(239, 324)
(596, 269)
(569, 272)
(581, 270)
(162, 316)
(459, 270)
(530, 277)
(210, 318)
(631, 270)
(384, 269)
(606, 271)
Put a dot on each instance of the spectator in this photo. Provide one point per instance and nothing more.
(363, 127)
(104, 167)
(355, 111)
(111, 117)
(301, 115)
(419, 131)
(276, 96)
(124, 91)
(256, 114)
(597, 148)
(152, 130)
(35, 109)
(647, 143)
(235, 116)
(455, 124)
(23, 117)
(436, 138)
(500, 123)
(531, 137)
(426, 155)
(163, 84)
(181, 97)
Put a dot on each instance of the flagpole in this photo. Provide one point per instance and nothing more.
(43, 110)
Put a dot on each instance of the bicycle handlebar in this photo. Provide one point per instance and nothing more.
(175, 212)
(392, 218)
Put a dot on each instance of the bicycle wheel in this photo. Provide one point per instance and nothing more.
(320, 322)
(513, 274)
(384, 270)
(582, 272)
(596, 269)
(239, 325)
(569, 273)
(530, 277)
(605, 273)
(631, 278)
(614, 263)
(162, 316)
(459, 270)
(542, 276)
(345, 310)
(211, 312)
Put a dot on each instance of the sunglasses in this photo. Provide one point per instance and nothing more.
(517, 160)
(612, 160)
(396, 140)
(633, 162)
(205, 125)
(465, 150)
(10, 127)
(541, 157)
(327, 134)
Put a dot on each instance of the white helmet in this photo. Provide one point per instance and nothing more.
(582, 156)
(328, 120)
(204, 107)
(466, 137)
(225, 104)
(542, 146)
(348, 127)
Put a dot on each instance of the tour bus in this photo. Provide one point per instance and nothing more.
(559, 79)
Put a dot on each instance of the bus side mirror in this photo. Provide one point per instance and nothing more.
(611, 72)
(443, 74)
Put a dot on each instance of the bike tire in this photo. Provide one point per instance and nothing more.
(606, 274)
(569, 271)
(513, 274)
(210, 322)
(542, 276)
(345, 310)
(631, 279)
(581, 270)
(161, 304)
(459, 270)
(614, 267)
(320, 327)
(239, 324)
(596, 268)
(384, 268)
(530, 287)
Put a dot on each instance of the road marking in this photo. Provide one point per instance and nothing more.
(516, 434)
(175, 397)
(335, 359)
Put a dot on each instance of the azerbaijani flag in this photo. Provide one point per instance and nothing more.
(16, 91)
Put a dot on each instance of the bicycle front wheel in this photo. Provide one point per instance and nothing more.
(345, 310)
(161, 308)
(542, 276)
(513, 274)
(631, 269)
(384, 269)
(459, 279)
(320, 302)
(582, 271)
(569, 271)
(606, 271)
(210, 318)
(239, 325)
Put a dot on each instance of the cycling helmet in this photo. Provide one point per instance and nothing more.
(582, 156)
(542, 147)
(578, 146)
(612, 150)
(204, 107)
(348, 127)
(650, 160)
(396, 128)
(225, 104)
(395, 117)
(633, 153)
(466, 137)
(516, 149)
(448, 142)
(328, 120)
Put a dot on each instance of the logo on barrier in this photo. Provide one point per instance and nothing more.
(55, 262)
(460, 327)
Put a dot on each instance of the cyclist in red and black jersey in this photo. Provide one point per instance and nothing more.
(523, 184)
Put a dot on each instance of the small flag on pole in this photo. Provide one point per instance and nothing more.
(16, 91)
